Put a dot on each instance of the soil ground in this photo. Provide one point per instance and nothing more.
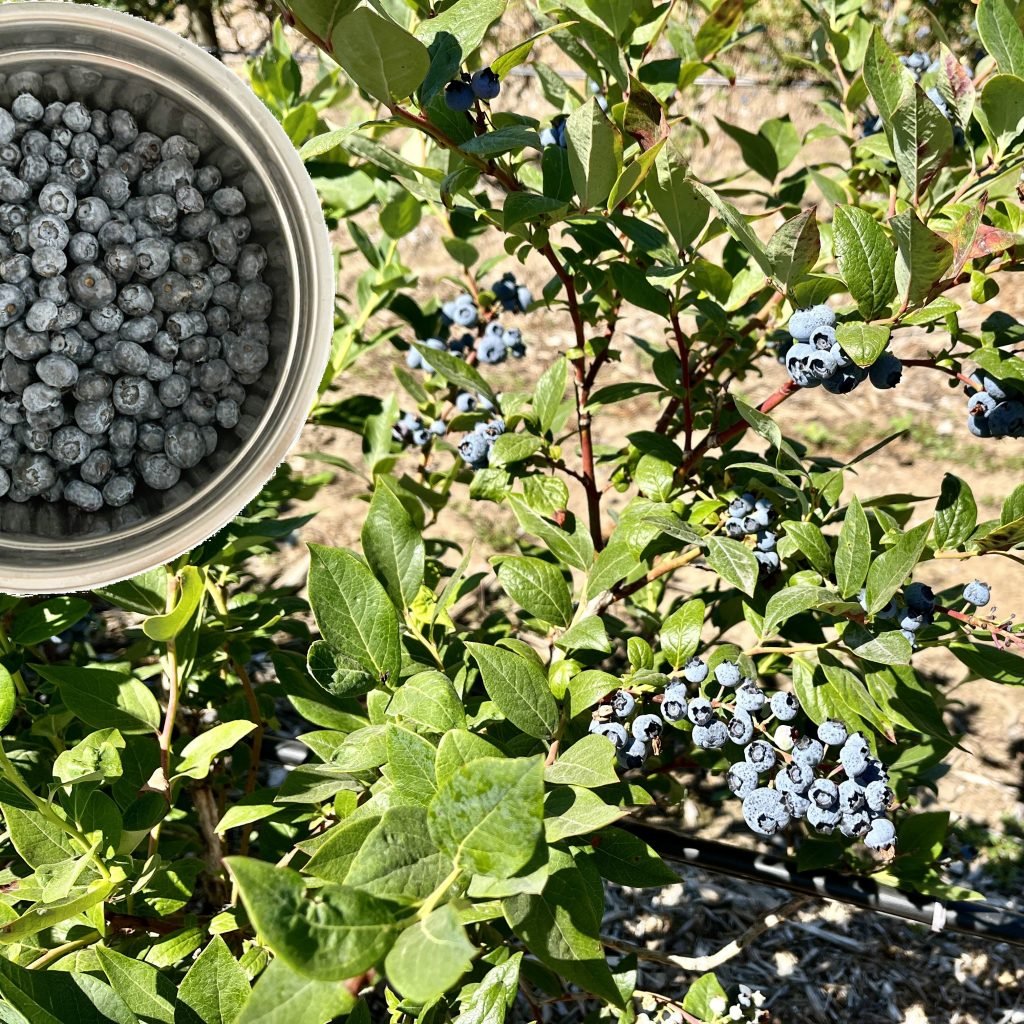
(830, 964)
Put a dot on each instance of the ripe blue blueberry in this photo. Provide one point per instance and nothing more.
(886, 371)
(832, 733)
(623, 703)
(804, 321)
(854, 753)
(699, 711)
(491, 349)
(740, 727)
(797, 804)
(728, 674)
(634, 755)
(612, 731)
(919, 598)
(784, 706)
(741, 778)
(857, 824)
(647, 727)
(878, 796)
(485, 84)
(674, 703)
(851, 796)
(711, 736)
(765, 811)
(977, 593)
(823, 819)
(474, 449)
(749, 697)
(881, 834)
(809, 751)
(794, 778)
(761, 755)
(695, 670)
(824, 793)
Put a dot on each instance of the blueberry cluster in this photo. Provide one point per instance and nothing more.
(914, 610)
(994, 409)
(632, 731)
(750, 516)
(462, 92)
(411, 430)
(493, 343)
(816, 357)
(920, 64)
(824, 775)
(133, 313)
(555, 135)
(475, 447)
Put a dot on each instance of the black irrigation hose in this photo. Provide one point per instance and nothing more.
(985, 920)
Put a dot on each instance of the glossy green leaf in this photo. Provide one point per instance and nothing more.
(892, 567)
(793, 249)
(353, 610)
(589, 762)
(866, 258)
(853, 550)
(283, 996)
(1002, 35)
(430, 956)
(334, 933)
(863, 343)
(734, 562)
(215, 988)
(197, 756)
(680, 632)
(143, 988)
(956, 513)
(519, 688)
(190, 592)
(487, 816)
(379, 55)
(537, 586)
(593, 155)
(105, 697)
(393, 546)
(61, 997)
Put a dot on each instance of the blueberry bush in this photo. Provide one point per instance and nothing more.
(697, 599)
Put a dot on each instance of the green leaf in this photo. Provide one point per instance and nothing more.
(430, 956)
(457, 371)
(504, 140)
(593, 157)
(35, 623)
(393, 546)
(892, 567)
(215, 988)
(429, 700)
(105, 697)
(537, 586)
(467, 21)
(325, 143)
(337, 673)
(889, 648)
(922, 256)
(511, 448)
(8, 697)
(530, 208)
(60, 997)
(987, 662)
(491, 1000)
(921, 138)
(379, 56)
(197, 756)
(956, 86)
(561, 928)
(282, 996)
(334, 933)
(571, 811)
(510, 59)
(1002, 110)
(1002, 35)
(886, 78)
(863, 343)
(956, 513)
(144, 989)
(718, 27)
(519, 689)
(738, 226)
(410, 765)
(589, 762)
(794, 248)
(488, 815)
(353, 610)
(38, 840)
(548, 395)
(683, 211)
(145, 593)
(853, 550)
(867, 260)
(811, 544)
(704, 996)
(734, 562)
(398, 860)
(457, 748)
(169, 625)
(791, 601)
(680, 633)
(574, 548)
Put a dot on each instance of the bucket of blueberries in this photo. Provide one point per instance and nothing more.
(166, 296)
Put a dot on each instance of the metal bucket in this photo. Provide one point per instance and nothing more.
(110, 60)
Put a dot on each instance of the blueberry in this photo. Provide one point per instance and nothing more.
(749, 697)
(459, 95)
(485, 84)
(712, 736)
(832, 733)
(475, 449)
(765, 811)
(823, 819)
(784, 706)
(741, 778)
(911, 623)
(740, 727)
(808, 751)
(794, 778)
(981, 404)
(728, 674)
(878, 796)
(623, 703)
(919, 598)
(886, 371)
(977, 593)
(854, 754)
(634, 755)
(761, 755)
(804, 321)
(856, 825)
(674, 704)
(491, 349)
(851, 797)
(734, 528)
(823, 338)
(881, 834)
(612, 731)
(824, 793)
(647, 727)
(700, 711)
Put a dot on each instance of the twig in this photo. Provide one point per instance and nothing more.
(699, 964)
(999, 632)
(59, 952)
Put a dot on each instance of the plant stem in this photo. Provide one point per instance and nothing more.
(58, 952)
(684, 363)
(170, 714)
(438, 894)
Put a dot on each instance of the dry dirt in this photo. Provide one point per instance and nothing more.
(833, 965)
